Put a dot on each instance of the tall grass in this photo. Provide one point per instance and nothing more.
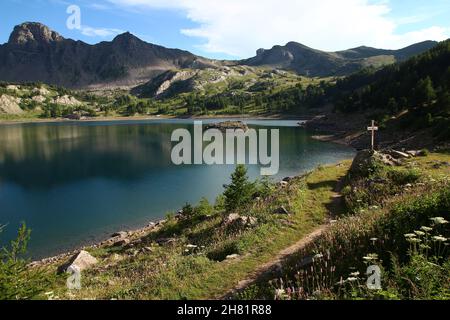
(407, 237)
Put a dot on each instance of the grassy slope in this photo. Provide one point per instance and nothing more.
(376, 229)
(174, 105)
(168, 273)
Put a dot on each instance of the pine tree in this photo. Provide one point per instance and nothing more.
(17, 280)
(393, 106)
(239, 192)
(424, 92)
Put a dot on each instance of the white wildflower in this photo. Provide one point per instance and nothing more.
(439, 239)
(426, 229)
(439, 220)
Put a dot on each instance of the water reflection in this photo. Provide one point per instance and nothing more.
(43, 156)
(76, 182)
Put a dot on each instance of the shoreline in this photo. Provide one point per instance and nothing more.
(134, 234)
(152, 118)
(131, 235)
(154, 225)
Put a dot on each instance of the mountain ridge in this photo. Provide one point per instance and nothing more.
(35, 53)
(308, 61)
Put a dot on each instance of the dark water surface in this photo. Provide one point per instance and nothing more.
(75, 183)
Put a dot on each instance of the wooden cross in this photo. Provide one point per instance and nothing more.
(373, 128)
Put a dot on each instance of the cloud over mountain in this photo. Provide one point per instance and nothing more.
(236, 27)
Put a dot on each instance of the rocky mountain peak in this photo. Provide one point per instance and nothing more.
(126, 38)
(33, 32)
(260, 52)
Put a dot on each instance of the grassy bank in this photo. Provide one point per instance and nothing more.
(396, 220)
(257, 238)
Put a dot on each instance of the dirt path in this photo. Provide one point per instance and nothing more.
(276, 263)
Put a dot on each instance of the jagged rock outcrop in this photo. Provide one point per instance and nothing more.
(67, 101)
(31, 33)
(10, 104)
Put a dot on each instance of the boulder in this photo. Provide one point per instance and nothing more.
(417, 153)
(234, 218)
(231, 218)
(146, 249)
(122, 242)
(121, 234)
(116, 257)
(81, 261)
(232, 257)
(398, 154)
(388, 160)
(166, 241)
(367, 161)
(251, 221)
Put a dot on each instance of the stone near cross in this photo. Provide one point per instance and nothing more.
(373, 128)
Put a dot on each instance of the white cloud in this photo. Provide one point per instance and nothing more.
(99, 32)
(239, 27)
(98, 6)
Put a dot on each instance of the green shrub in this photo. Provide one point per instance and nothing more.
(225, 249)
(402, 176)
(204, 208)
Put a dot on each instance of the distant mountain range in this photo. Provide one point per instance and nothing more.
(311, 62)
(36, 53)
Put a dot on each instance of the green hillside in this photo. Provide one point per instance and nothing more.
(420, 87)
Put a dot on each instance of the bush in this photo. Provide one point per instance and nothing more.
(402, 177)
(204, 208)
(220, 253)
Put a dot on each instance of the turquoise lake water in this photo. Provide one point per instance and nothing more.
(76, 183)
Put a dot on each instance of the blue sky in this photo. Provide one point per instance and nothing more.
(236, 28)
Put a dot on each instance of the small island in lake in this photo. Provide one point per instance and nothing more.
(223, 126)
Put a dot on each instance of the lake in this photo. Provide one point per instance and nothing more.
(75, 183)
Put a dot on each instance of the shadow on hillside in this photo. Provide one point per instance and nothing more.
(322, 184)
